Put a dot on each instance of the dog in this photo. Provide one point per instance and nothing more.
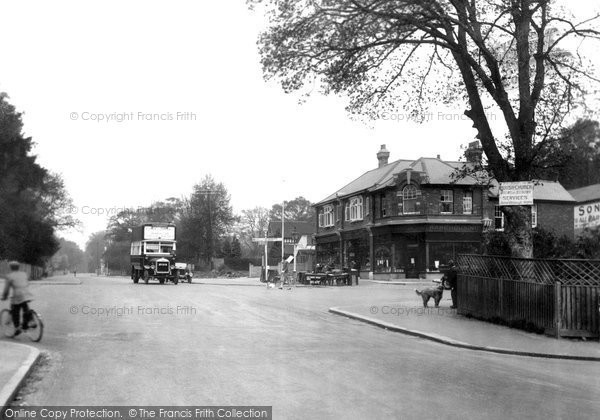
(431, 292)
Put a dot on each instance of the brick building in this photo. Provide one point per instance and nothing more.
(403, 218)
(410, 217)
(586, 212)
(552, 208)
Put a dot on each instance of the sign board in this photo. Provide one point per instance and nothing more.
(159, 232)
(586, 216)
(516, 193)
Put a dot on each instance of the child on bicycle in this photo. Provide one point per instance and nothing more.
(18, 281)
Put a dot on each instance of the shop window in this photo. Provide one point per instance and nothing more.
(446, 202)
(468, 202)
(410, 194)
(498, 218)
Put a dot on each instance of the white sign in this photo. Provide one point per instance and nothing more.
(516, 193)
(586, 216)
(159, 232)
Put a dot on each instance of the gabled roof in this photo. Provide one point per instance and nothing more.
(436, 171)
(543, 190)
(589, 193)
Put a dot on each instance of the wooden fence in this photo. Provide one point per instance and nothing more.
(559, 297)
(34, 272)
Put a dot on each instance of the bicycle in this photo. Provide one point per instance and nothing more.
(34, 330)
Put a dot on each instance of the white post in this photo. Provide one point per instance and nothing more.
(266, 260)
(282, 230)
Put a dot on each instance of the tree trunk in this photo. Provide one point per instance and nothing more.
(518, 230)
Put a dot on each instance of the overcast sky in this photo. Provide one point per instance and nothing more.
(65, 63)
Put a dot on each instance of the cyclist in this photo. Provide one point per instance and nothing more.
(19, 282)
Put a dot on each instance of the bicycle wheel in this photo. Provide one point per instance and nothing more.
(6, 324)
(35, 328)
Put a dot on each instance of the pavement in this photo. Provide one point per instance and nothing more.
(442, 325)
(19, 359)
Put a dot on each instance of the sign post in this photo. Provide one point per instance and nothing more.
(516, 193)
(266, 241)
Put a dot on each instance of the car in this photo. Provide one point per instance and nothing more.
(184, 273)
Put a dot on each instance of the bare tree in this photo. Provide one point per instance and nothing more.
(508, 56)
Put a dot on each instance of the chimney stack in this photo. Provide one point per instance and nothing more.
(474, 152)
(383, 156)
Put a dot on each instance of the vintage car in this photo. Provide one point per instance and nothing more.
(184, 273)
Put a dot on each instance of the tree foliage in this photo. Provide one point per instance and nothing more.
(505, 57)
(206, 216)
(574, 156)
(33, 201)
(299, 209)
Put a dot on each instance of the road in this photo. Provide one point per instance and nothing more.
(217, 344)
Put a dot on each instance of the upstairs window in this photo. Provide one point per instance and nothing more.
(468, 202)
(446, 202)
(367, 206)
(347, 211)
(326, 216)
(384, 205)
(356, 208)
(410, 193)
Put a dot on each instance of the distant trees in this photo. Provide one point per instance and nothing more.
(69, 257)
(206, 216)
(94, 250)
(33, 201)
(573, 157)
(252, 223)
(299, 209)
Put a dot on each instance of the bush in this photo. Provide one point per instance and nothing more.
(547, 244)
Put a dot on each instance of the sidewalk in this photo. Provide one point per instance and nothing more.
(17, 361)
(445, 326)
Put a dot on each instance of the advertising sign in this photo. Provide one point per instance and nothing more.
(159, 232)
(586, 216)
(516, 193)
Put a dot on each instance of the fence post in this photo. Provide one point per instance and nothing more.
(557, 308)
(501, 297)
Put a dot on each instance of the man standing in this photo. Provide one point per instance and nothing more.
(451, 276)
(19, 283)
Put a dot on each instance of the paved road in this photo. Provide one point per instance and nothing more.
(223, 345)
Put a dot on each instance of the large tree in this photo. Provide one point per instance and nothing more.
(206, 216)
(506, 57)
(33, 201)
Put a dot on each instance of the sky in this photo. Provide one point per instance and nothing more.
(136, 101)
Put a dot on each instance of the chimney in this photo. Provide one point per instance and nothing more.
(474, 152)
(382, 156)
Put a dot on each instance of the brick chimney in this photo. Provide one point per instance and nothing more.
(382, 156)
(474, 152)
